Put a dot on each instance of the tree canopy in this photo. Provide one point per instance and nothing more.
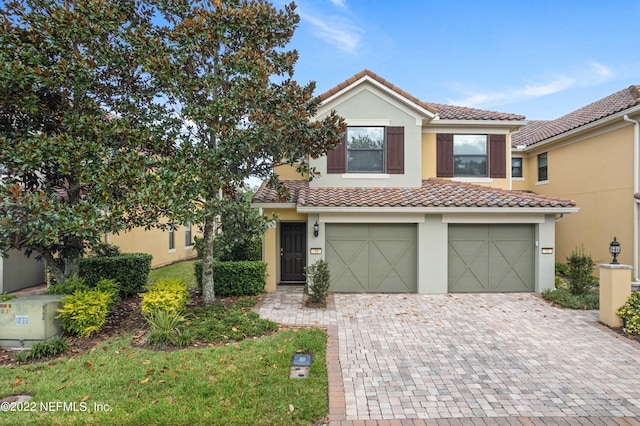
(227, 68)
(79, 126)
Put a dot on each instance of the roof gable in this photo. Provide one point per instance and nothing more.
(540, 130)
(443, 112)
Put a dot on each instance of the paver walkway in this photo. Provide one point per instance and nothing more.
(481, 358)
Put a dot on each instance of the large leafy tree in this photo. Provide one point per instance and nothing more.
(228, 72)
(78, 125)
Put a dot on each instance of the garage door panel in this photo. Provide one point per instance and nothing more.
(485, 258)
(372, 257)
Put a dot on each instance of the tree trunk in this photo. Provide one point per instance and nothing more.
(61, 269)
(208, 291)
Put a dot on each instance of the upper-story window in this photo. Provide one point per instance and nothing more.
(369, 149)
(365, 149)
(470, 155)
(543, 171)
(516, 167)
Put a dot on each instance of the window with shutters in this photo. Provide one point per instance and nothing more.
(369, 149)
(470, 155)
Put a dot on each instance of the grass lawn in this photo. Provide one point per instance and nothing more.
(243, 382)
(182, 270)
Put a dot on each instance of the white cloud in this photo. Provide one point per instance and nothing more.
(591, 75)
(340, 3)
(341, 33)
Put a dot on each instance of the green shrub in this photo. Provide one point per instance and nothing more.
(4, 297)
(562, 269)
(46, 349)
(112, 287)
(580, 268)
(131, 270)
(563, 297)
(84, 312)
(169, 295)
(164, 327)
(104, 250)
(318, 281)
(630, 313)
(69, 286)
(244, 278)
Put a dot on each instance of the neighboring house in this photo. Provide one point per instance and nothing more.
(18, 271)
(591, 156)
(165, 247)
(415, 199)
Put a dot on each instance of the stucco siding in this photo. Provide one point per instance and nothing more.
(596, 172)
(370, 107)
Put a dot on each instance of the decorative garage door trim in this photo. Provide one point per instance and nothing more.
(491, 258)
(372, 257)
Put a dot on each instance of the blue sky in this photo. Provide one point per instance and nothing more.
(542, 59)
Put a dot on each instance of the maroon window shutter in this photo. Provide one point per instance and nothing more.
(444, 155)
(395, 150)
(497, 156)
(337, 158)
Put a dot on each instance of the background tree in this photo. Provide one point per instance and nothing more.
(77, 125)
(227, 70)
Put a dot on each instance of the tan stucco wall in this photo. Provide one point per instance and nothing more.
(271, 244)
(429, 164)
(596, 172)
(287, 172)
(156, 243)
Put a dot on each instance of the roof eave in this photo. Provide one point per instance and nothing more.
(512, 125)
(439, 210)
(584, 128)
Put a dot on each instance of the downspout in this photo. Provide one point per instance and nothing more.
(636, 150)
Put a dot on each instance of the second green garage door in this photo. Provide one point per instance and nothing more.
(372, 257)
(491, 258)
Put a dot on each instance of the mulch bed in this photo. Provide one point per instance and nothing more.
(125, 318)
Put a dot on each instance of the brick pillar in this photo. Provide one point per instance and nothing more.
(615, 289)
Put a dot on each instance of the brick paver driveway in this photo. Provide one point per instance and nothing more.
(483, 356)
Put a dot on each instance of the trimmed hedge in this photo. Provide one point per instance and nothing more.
(245, 278)
(131, 270)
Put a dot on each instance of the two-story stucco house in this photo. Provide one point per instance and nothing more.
(592, 156)
(417, 198)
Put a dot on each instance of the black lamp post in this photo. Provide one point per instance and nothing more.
(316, 229)
(614, 249)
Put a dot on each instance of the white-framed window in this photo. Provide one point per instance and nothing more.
(470, 155)
(365, 150)
(516, 167)
(543, 168)
(172, 237)
(188, 240)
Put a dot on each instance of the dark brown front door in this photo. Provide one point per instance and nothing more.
(293, 247)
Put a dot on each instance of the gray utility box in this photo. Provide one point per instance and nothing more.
(29, 319)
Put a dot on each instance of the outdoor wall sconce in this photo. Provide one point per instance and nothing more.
(316, 229)
(614, 249)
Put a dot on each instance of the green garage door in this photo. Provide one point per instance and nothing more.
(372, 257)
(491, 258)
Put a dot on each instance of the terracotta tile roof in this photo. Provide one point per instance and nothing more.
(538, 131)
(452, 112)
(268, 195)
(433, 193)
(446, 112)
